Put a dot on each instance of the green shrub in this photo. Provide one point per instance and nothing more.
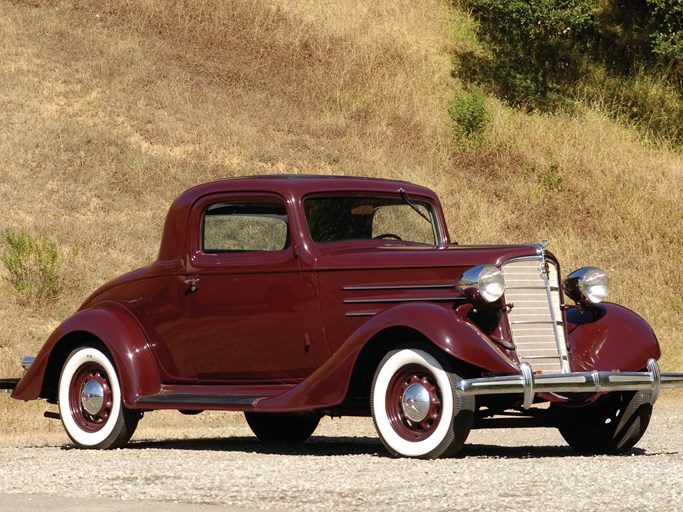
(33, 265)
(469, 114)
(550, 180)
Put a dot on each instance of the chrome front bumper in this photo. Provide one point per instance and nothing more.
(8, 385)
(529, 383)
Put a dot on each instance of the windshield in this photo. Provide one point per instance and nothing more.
(335, 218)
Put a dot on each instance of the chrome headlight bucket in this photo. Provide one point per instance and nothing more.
(483, 282)
(588, 284)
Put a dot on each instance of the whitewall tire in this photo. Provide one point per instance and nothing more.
(417, 409)
(90, 402)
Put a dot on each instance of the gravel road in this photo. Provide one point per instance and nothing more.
(344, 467)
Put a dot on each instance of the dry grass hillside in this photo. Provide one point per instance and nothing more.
(109, 109)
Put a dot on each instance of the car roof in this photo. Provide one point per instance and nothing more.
(292, 187)
(298, 185)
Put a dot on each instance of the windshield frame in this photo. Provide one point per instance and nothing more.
(433, 211)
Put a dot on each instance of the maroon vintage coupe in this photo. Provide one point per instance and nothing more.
(295, 297)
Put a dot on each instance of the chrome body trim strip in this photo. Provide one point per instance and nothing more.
(398, 287)
(542, 322)
(529, 384)
(405, 299)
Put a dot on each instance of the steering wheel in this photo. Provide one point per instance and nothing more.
(387, 236)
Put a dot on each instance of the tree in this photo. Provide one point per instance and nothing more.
(535, 45)
(666, 29)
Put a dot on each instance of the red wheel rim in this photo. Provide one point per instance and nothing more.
(405, 427)
(90, 422)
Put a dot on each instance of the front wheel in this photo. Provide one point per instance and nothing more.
(90, 403)
(416, 407)
(611, 425)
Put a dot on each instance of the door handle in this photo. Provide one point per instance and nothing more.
(191, 285)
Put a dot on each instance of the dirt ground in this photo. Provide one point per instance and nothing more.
(216, 465)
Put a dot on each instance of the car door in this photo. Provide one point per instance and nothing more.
(247, 321)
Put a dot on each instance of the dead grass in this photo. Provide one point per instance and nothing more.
(109, 109)
(158, 425)
(617, 206)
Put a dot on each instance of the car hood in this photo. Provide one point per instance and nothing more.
(335, 257)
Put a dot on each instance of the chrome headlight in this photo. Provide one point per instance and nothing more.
(588, 284)
(482, 282)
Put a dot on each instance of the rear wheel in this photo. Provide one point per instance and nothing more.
(281, 428)
(612, 425)
(416, 407)
(90, 403)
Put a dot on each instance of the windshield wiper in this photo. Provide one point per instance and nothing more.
(411, 203)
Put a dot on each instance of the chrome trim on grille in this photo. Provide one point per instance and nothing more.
(552, 288)
(536, 321)
(561, 342)
(542, 357)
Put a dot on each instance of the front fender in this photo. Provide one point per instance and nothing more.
(607, 337)
(122, 336)
(328, 385)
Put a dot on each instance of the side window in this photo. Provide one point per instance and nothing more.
(243, 226)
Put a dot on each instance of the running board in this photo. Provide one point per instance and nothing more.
(198, 401)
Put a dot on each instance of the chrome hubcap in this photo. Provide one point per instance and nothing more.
(92, 397)
(415, 402)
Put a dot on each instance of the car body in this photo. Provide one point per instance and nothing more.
(295, 297)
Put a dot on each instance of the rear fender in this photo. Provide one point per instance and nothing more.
(118, 332)
(607, 337)
(328, 385)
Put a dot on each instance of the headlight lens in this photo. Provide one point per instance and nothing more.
(588, 284)
(482, 282)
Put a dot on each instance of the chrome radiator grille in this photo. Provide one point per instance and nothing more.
(536, 318)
